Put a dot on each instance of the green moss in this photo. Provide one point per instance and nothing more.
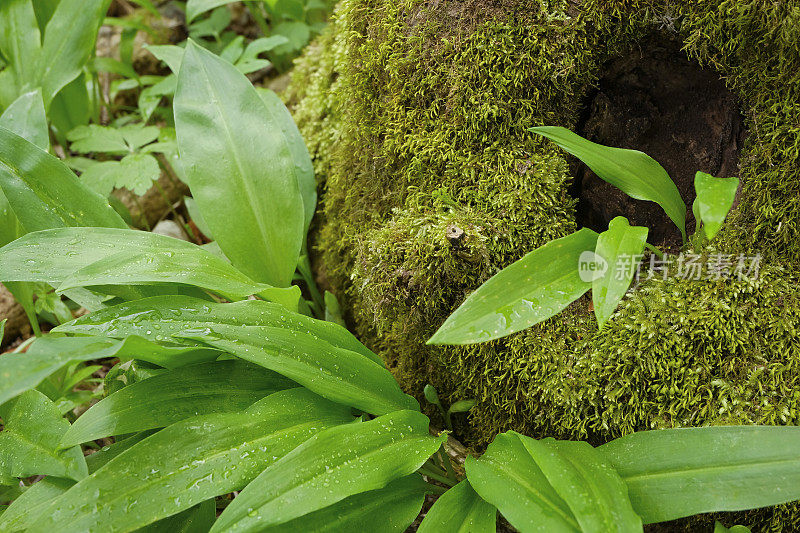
(416, 113)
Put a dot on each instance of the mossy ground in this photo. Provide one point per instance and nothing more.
(416, 111)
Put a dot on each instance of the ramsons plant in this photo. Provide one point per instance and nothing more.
(245, 394)
(548, 279)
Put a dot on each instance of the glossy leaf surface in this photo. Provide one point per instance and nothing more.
(334, 373)
(507, 477)
(620, 248)
(26, 117)
(239, 167)
(44, 192)
(69, 42)
(29, 440)
(169, 397)
(160, 317)
(594, 492)
(460, 510)
(633, 172)
(20, 372)
(337, 463)
(524, 293)
(76, 257)
(715, 197)
(188, 463)
(397, 505)
(675, 473)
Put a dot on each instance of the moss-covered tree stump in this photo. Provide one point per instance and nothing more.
(416, 112)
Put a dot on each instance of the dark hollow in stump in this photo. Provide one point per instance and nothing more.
(655, 100)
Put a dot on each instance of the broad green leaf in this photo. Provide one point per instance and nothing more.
(169, 397)
(198, 519)
(240, 167)
(619, 249)
(337, 374)
(20, 40)
(72, 107)
(675, 473)
(397, 505)
(82, 257)
(594, 492)
(44, 192)
(170, 54)
(524, 293)
(332, 465)
(44, 11)
(197, 216)
(25, 509)
(633, 172)
(195, 8)
(160, 317)
(102, 457)
(69, 42)
(29, 440)
(715, 198)
(507, 477)
(25, 117)
(20, 372)
(190, 462)
(306, 181)
(460, 510)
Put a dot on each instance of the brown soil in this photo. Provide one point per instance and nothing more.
(657, 101)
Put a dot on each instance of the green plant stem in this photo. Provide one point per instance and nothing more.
(258, 16)
(436, 489)
(433, 475)
(304, 267)
(451, 473)
(655, 250)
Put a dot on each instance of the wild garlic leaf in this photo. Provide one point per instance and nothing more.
(44, 192)
(332, 465)
(524, 293)
(20, 43)
(26, 117)
(340, 375)
(176, 314)
(460, 509)
(29, 440)
(715, 197)
(507, 477)
(619, 248)
(240, 168)
(85, 257)
(174, 395)
(68, 43)
(190, 462)
(633, 172)
(398, 504)
(306, 181)
(168, 53)
(26, 508)
(24, 371)
(674, 473)
(586, 481)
